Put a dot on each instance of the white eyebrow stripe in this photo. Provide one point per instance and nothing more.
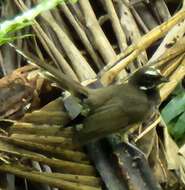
(152, 72)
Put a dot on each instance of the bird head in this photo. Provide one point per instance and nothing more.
(147, 78)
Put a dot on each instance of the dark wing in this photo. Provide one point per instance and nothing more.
(107, 119)
(123, 105)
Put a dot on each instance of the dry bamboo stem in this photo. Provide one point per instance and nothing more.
(86, 180)
(75, 9)
(144, 12)
(82, 36)
(134, 50)
(172, 67)
(139, 20)
(171, 53)
(77, 60)
(51, 35)
(56, 151)
(59, 19)
(64, 166)
(29, 128)
(161, 9)
(173, 35)
(132, 32)
(53, 51)
(101, 42)
(40, 178)
(49, 45)
(63, 142)
(148, 129)
(52, 140)
(121, 38)
(175, 78)
(45, 117)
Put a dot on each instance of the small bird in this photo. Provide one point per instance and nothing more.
(117, 106)
(114, 107)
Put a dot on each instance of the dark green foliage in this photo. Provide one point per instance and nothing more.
(174, 114)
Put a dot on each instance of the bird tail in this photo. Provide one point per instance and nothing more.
(62, 79)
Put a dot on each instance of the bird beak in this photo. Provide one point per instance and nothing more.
(164, 79)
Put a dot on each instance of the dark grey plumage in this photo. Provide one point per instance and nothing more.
(114, 107)
(118, 106)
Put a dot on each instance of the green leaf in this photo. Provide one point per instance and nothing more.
(178, 130)
(178, 90)
(174, 108)
(26, 18)
(171, 126)
(8, 39)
